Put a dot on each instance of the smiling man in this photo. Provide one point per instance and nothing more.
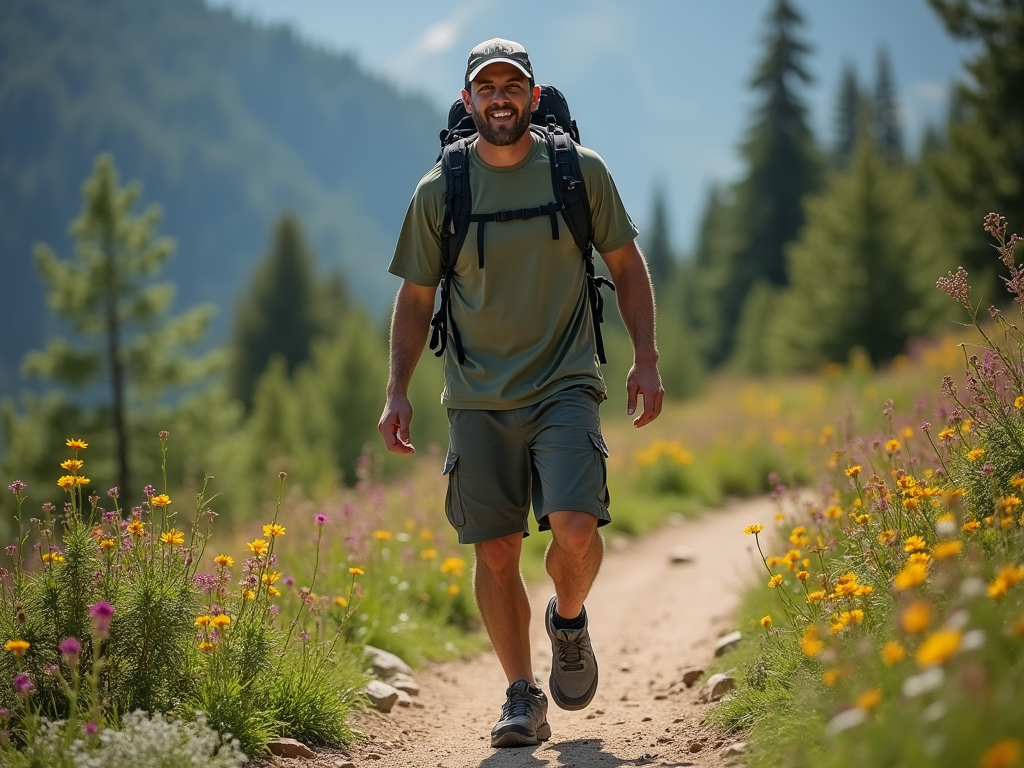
(523, 380)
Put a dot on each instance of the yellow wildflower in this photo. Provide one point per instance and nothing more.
(203, 621)
(811, 644)
(834, 512)
(766, 622)
(892, 446)
(340, 601)
(753, 529)
(831, 676)
(453, 566)
(815, 597)
(273, 591)
(775, 580)
(428, 554)
(853, 471)
(892, 652)
(1003, 754)
(938, 647)
(82, 480)
(356, 571)
(248, 594)
(53, 557)
(206, 646)
(919, 558)
(71, 465)
(914, 544)
(1008, 504)
(856, 616)
(863, 519)
(453, 589)
(107, 544)
(273, 530)
(136, 527)
(382, 535)
(870, 699)
(947, 549)
(886, 537)
(971, 526)
(220, 621)
(78, 445)
(975, 453)
(258, 547)
(160, 500)
(803, 575)
(17, 647)
(1019, 402)
(224, 561)
(798, 536)
(1017, 482)
(271, 577)
(172, 537)
(916, 617)
(66, 482)
(947, 434)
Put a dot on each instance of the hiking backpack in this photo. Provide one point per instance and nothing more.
(552, 121)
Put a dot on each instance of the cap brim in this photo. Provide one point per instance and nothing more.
(472, 75)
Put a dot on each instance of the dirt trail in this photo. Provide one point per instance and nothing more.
(650, 619)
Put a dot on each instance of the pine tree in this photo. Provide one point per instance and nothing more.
(848, 117)
(280, 315)
(863, 271)
(983, 169)
(123, 338)
(782, 168)
(885, 112)
(658, 246)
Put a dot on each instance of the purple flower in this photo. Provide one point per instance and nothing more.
(48, 506)
(114, 492)
(320, 519)
(11, 549)
(108, 517)
(101, 614)
(163, 434)
(70, 646)
(304, 636)
(90, 728)
(206, 582)
(50, 670)
(4, 713)
(926, 426)
(137, 513)
(987, 469)
(274, 610)
(22, 683)
(149, 490)
(16, 487)
(288, 580)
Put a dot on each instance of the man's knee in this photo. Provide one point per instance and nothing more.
(499, 555)
(574, 532)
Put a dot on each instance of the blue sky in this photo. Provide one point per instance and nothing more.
(658, 87)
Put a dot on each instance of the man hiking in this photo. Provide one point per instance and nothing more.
(522, 377)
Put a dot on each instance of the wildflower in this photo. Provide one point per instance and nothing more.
(831, 676)
(67, 482)
(919, 558)
(892, 446)
(816, 597)
(956, 286)
(803, 576)
(53, 557)
(340, 601)
(1003, 754)
(853, 471)
(224, 561)
(453, 589)
(428, 554)
(914, 544)
(753, 529)
(203, 621)
(172, 538)
(220, 621)
(107, 544)
(101, 613)
(453, 566)
(916, 617)
(16, 487)
(273, 530)
(947, 549)
(799, 536)
(90, 728)
(248, 594)
(273, 591)
(320, 519)
(206, 646)
(856, 616)
(17, 647)
(947, 434)
(862, 519)
(834, 512)
(382, 535)
(271, 577)
(70, 647)
(1019, 402)
(149, 490)
(870, 699)
(22, 683)
(810, 643)
(136, 527)
(356, 571)
(938, 647)
(258, 547)
(886, 537)
(892, 652)
(160, 500)
(72, 465)
(975, 454)
(1009, 504)
(78, 445)
(775, 580)
(766, 622)
(971, 526)
(1008, 577)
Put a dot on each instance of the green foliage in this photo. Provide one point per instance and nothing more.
(862, 271)
(661, 261)
(885, 111)
(849, 103)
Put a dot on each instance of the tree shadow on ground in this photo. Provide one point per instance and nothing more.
(577, 753)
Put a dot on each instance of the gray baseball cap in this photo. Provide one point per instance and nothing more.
(493, 51)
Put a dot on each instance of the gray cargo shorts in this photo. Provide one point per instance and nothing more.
(551, 454)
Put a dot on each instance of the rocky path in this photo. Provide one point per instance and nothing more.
(651, 620)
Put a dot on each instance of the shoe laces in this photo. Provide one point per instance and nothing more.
(517, 703)
(571, 647)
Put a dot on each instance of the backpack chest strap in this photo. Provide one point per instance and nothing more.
(550, 209)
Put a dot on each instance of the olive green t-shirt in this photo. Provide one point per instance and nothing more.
(524, 317)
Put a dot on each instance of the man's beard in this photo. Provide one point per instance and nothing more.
(502, 136)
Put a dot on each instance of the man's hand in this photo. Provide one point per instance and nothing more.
(394, 424)
(644, 380)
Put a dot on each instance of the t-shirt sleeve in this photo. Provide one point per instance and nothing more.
(613, 227)
(418, 252)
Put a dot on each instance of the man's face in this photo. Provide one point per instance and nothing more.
(500, 101)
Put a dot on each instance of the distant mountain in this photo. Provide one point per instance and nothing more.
(225, 124)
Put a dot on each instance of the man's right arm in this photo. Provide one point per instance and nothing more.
(410, 323)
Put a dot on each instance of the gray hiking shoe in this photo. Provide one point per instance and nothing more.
(524, 717)
(573, 680)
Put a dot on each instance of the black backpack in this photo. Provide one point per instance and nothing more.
(553, 122)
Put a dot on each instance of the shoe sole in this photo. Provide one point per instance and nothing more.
(513, 738)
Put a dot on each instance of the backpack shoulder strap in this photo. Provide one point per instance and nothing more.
(571, 192)
(454, 227)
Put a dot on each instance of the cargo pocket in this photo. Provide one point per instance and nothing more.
(602, 450)
(453, 499)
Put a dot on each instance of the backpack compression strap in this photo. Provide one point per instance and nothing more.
(567, 181)
(454, 226)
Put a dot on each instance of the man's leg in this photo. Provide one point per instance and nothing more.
(573, 559)
(504, 604)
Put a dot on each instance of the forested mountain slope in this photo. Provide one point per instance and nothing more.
(226, 124)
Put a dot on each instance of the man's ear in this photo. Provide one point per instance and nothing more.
(468, 102)
(536, 98)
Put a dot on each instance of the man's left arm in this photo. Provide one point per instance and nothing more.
(635, 298)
